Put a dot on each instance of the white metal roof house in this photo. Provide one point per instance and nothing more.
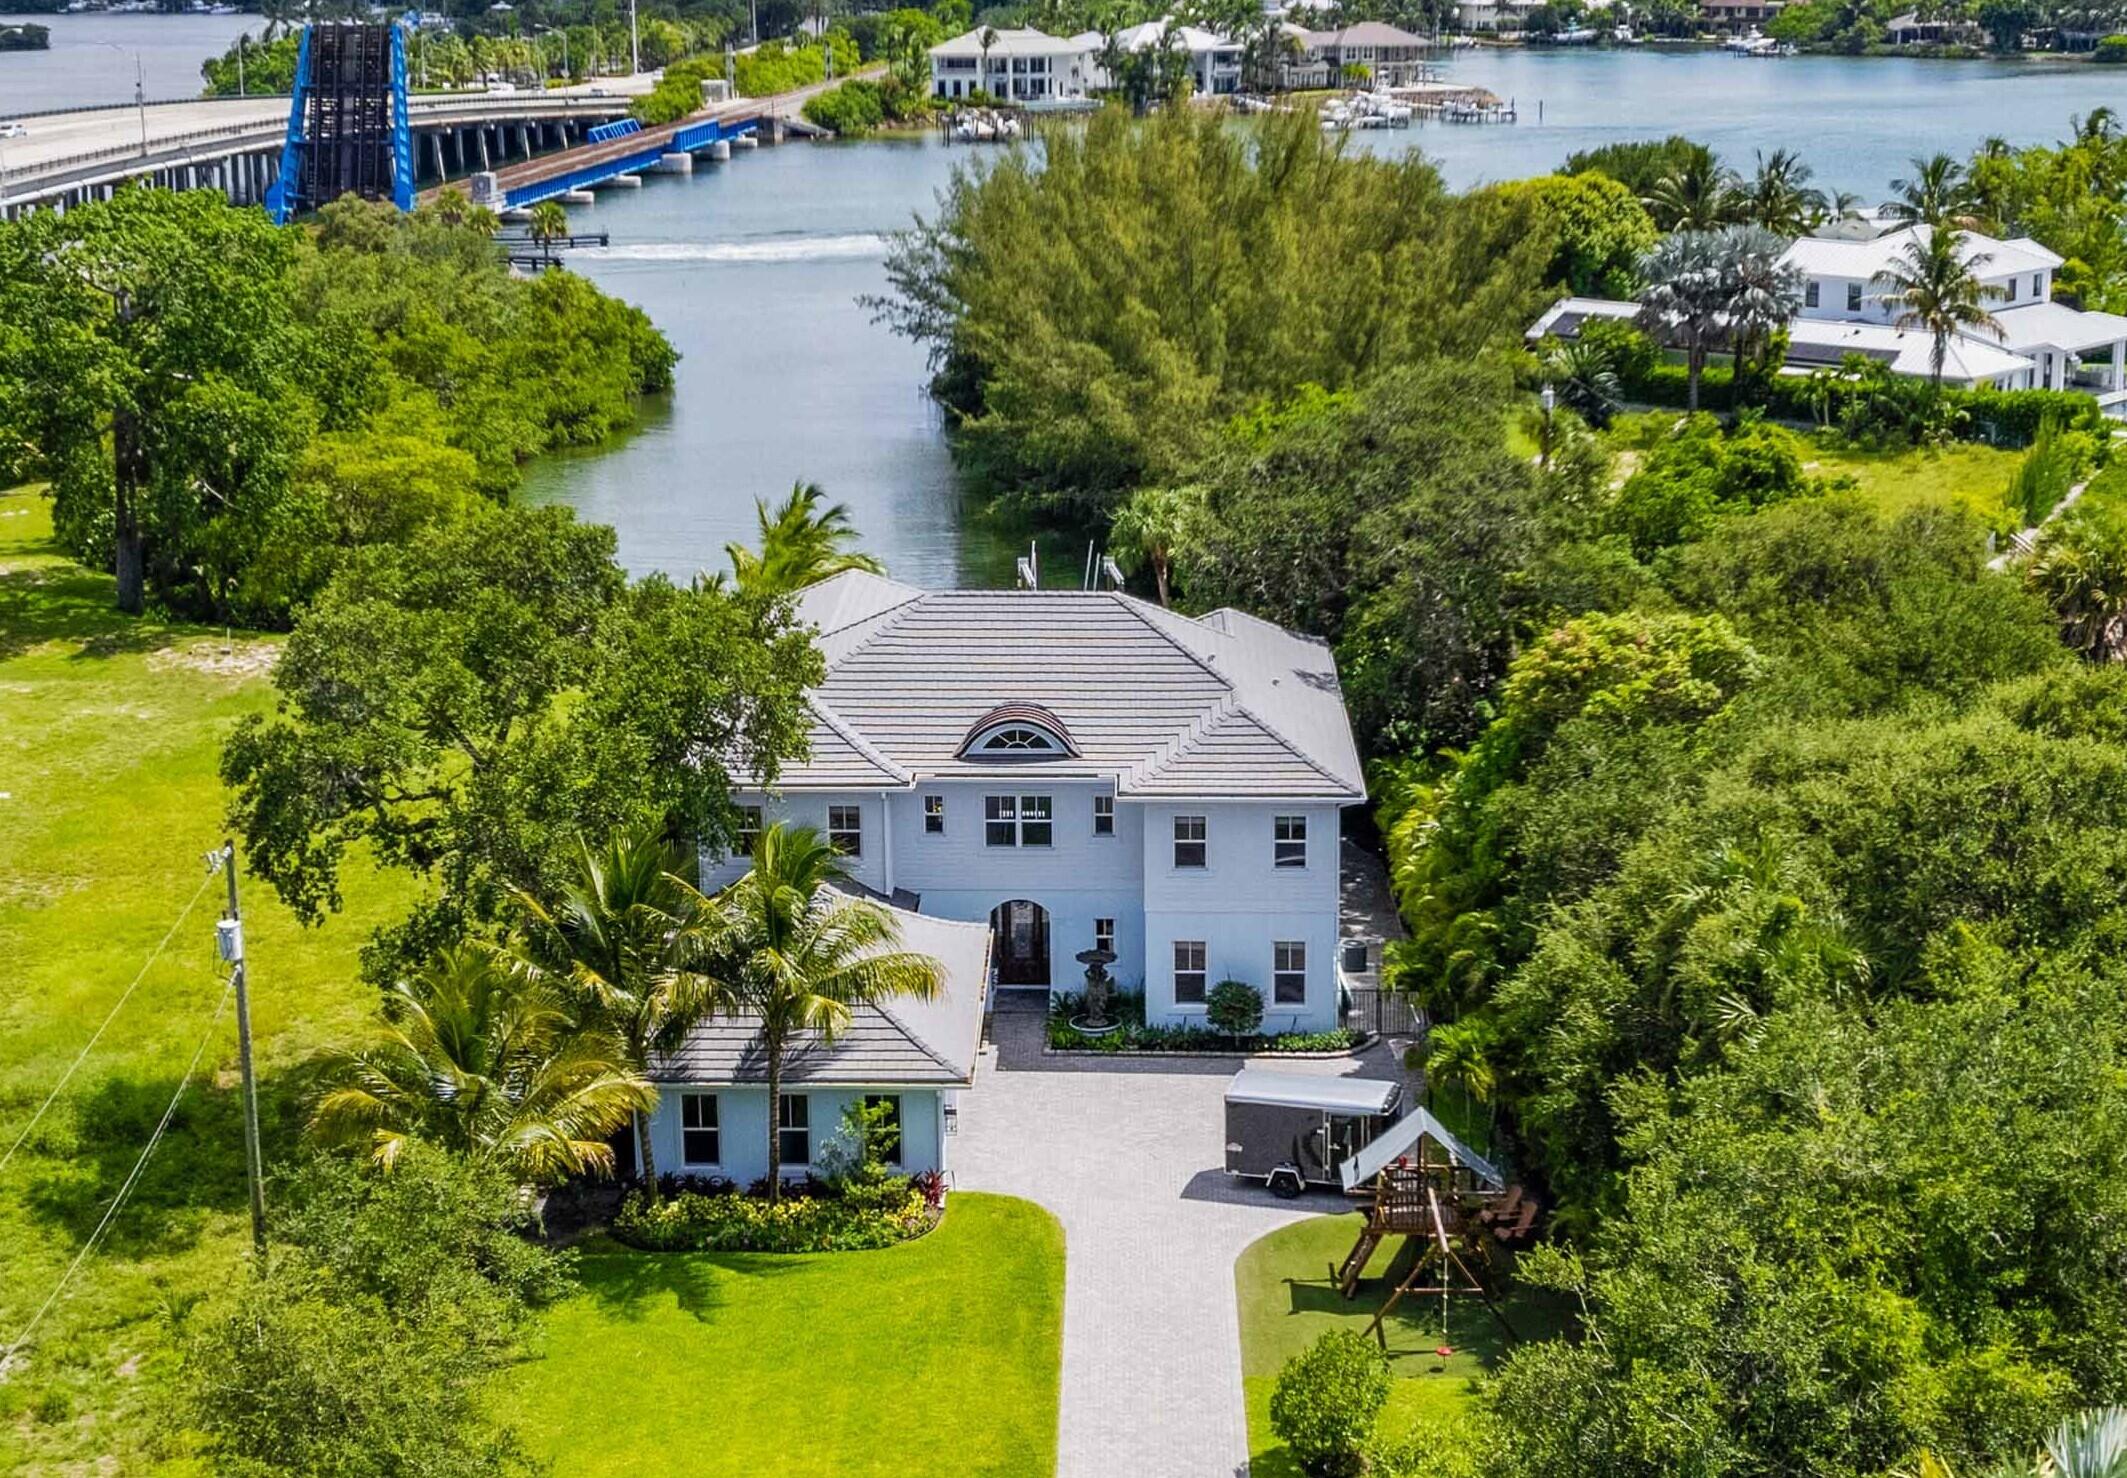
(1080, 770)
(712, 1113)
(1020, 65)
(2041, 344)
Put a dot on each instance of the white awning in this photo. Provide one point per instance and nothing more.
(1313, 1091)
(1402, 1137)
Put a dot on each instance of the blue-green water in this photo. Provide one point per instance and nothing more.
(755, 269)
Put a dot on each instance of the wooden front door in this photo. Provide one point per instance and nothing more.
(1021, 947)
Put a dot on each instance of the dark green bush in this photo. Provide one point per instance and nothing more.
(1327, 1401)
(690, 1222)
(2112, 51)
(1234, 1007)
(853, 109)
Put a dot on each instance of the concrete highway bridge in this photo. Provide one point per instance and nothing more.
(234, 144)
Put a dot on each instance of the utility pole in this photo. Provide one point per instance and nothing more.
(140, 99)
(240, 66)
(229, 939)
(635, 45)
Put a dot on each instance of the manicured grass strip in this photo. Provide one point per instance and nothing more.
(1287, 1302)
(941, 1355)
(110, 733)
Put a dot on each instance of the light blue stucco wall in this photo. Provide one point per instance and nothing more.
(1239, 904)
(742, 1117)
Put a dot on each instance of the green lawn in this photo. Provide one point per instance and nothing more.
(938, 1356)
(1288, 1301)
(1962, 474)
(109, 734)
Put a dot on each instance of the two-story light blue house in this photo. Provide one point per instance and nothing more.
(1082, 770)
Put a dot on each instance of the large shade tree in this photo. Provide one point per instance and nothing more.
(799, 956)
(149, 351)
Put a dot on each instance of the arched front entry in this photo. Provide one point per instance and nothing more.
(1019, 946)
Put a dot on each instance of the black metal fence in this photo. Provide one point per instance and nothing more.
(1385, 1013)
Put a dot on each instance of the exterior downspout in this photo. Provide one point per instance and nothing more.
(886, 838)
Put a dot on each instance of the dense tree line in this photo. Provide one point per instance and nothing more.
(223, 408)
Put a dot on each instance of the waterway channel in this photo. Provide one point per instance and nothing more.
(755, 270)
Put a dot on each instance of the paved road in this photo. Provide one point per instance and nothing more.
(1127, 1155)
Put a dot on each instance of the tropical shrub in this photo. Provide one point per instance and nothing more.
(2051, 466)
(853, 109)
(1234, 1007)
(2112, 51)
(894, 1211)
(1327, 1400)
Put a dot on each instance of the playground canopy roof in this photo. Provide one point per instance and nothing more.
(1400, 1138)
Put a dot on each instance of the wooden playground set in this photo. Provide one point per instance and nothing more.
(1459, 1216)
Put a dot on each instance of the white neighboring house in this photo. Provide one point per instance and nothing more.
(1022, 65)
(1214, 62)
(914, 1056)
(1084, 770)
(2041, 344)
(1495, 15)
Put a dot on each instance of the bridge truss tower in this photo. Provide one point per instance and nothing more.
(348, 131)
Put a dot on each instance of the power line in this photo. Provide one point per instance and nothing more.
(82, 1056)
(7, 1360)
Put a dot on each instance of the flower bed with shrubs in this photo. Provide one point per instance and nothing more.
(1133, 1035)
(715, 1216)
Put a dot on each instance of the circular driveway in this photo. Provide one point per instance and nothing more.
(1128, 1155)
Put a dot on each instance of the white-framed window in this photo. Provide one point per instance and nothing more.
(1018, 821)
(1104, 815)
(1018, 739)
(698, 1138)
(1853, 297)
(845, 830)
(934, 815)
(1288, 972)
(1809, 294)
(749, 829)
(1288, 841)
(1104, 935)
(1189, 972)
(2011, 295)
(1189, 837)
(890, 1140)
(793, 1129)
(2038, 284)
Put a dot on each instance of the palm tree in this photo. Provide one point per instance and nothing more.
(1459, 1053)
(1152, 528)
(2090, 1444)
(986, 40)
(484, 1060)
(549, 224)
(1697, 196)
(1583, 372)
(1935, 288)
(1779, 196)
(802, 543)
(2081, 571)
(1936, 194)
(800, 956)
(1687, 294)
(625, 941)
(1762, 291)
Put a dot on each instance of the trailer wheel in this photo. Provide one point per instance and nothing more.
(1285, 1182)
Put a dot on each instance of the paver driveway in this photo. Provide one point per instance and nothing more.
(1127, 1154)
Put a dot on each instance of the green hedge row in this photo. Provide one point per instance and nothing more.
(2008, 418)
(880, 1217)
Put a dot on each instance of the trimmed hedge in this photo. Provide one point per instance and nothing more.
(2008, 418)
(859, 1219)
(2112, 51)
(1133, 1035)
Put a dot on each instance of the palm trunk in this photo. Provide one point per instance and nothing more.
(774, 1049)
(1694, 366)
(646, 1158)
(1159, 575)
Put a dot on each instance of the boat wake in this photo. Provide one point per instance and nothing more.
(781, 249)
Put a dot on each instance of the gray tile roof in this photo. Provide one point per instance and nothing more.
(897, 1043)
(1210, 707)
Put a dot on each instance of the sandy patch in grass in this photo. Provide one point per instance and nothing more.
(218, 658)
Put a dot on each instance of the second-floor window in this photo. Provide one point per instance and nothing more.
(1809, 294)
(1017, 820)
(1853, 297)
(1288, 844)
(1104, 815)
(1189, 972)
(697, 1129)
(1189, 834)
(749, 829)
(2011, 296)
(2038, 284)
(934, 815)
(845, 830)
